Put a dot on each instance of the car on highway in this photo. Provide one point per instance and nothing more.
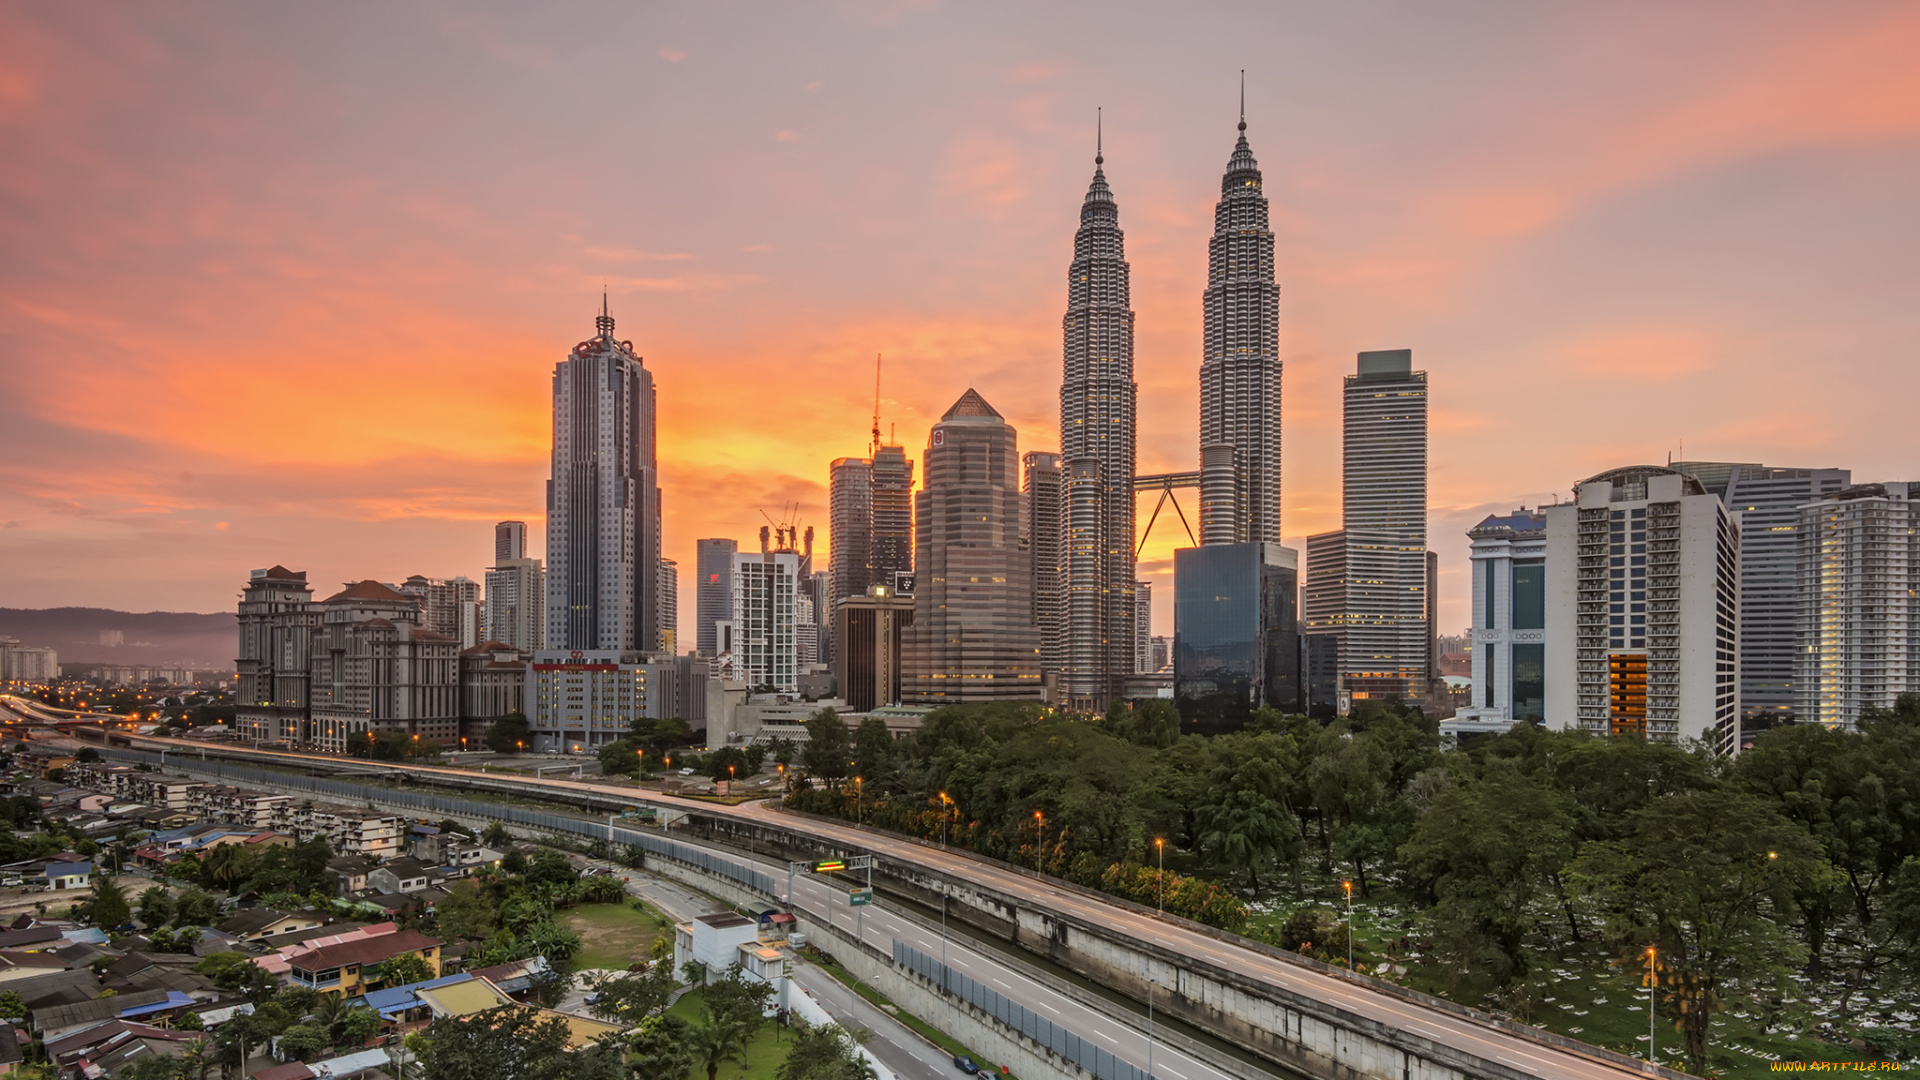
(965, 1064)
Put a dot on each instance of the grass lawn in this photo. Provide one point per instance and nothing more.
(613, 935)
(766, 1050)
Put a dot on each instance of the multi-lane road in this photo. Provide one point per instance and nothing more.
(1438, 1025)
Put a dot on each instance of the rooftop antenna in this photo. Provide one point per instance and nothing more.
(875, 449)
(1243, 99)
(1099, 137)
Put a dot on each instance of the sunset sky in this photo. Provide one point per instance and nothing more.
(286, 283)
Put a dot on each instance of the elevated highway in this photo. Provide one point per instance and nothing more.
(1297, 1013)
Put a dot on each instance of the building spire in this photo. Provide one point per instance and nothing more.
(1099, 158)
(1243, 100)
(604, 323)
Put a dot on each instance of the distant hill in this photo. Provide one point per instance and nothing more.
(153, 637)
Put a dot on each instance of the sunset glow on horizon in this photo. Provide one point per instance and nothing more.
(287, 285)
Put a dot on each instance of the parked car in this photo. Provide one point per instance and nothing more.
(965, 1064)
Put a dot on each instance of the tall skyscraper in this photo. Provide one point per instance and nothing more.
(1642, 609)
(669, 607)
(850, 526)
(516, 604)
(1323, 624)
(509, 541)
(1767, 501)
(972, 637)
(713, 595)
(1042, 523)
(1097, 448)
(890, 551)
(1859, 567)
(603, 499)
(1240, 368)
(1384, 496)
(1143, 627)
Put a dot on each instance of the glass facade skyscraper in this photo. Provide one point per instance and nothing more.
(1236, 642)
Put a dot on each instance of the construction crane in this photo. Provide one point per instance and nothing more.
(875, 448)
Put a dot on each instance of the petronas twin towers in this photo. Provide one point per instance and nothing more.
(1239, 417)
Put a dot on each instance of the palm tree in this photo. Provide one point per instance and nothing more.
(196, 1062)
(714, 1040)
(331, 1013)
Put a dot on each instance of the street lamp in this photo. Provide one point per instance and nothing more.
(1348, 885)
(1039, 842)
(1160, 844)
(944, 803)
(859, 801)
(729, 779)
(1653, 979)
(1151, 984)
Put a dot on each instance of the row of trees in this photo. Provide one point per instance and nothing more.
(1801, 855)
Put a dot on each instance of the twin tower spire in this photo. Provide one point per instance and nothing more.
(1239, 414)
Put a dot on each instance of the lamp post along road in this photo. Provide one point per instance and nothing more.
(1653, 979)
(1151, 985)
(1160, 844)
(1349, 888)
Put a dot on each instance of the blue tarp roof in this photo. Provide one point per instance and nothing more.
(398, 999)
(175, 999)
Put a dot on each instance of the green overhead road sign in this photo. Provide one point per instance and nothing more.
(860, 896)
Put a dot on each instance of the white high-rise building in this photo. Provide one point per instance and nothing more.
(509, 541)
(765, 650)
(1509, 623)
(669, 607)
(516, 604)
(1643, 609)
(1859, 621)
(1143, 628)
(603, 500)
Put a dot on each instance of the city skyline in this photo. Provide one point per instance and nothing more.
(1503, 257)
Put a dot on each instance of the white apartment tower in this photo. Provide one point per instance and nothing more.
(603, 500)
(765, 591)
(1859, 621)
(1643, 609)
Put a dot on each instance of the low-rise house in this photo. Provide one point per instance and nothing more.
(403, 875)
(345, 968)
(69, 875)
(17, 964)
(349, 873)
(58, 1021)
(38, 938)
(97, 1045)
(254, 924)
(11, 1057)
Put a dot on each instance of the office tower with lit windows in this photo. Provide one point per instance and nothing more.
(378, 670)
(973, 637)
(450, 607)
(669, 607)
(1384, 514)
(1859, 621)
(1768, 502)
(1236, 643)
(603, 499)
(1643, 609)
(1098, 412)
(1240, 363)
(1143, 627)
